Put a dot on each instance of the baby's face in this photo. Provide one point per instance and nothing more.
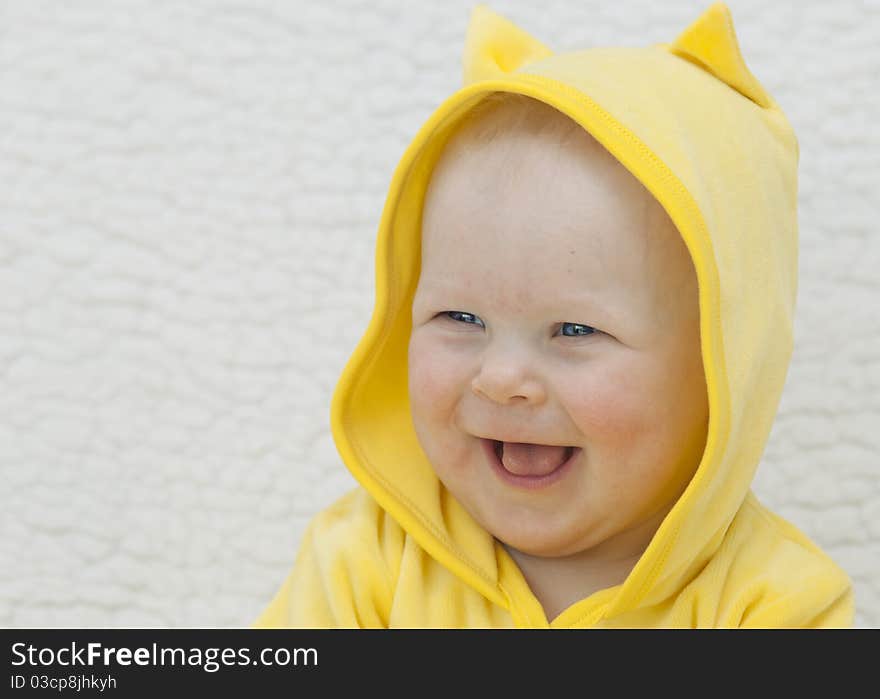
(557, 305)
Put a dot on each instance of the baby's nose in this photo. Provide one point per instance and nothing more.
(507, 382)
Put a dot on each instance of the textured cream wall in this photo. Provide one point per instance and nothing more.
(189, 195)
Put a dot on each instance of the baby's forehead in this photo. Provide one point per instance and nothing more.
(568, 195)
(528, 206)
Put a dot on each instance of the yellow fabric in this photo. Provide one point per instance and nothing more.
(692, 123)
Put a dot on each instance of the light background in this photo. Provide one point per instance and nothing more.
(189, 199)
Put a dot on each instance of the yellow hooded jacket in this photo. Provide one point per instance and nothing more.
(692, 123)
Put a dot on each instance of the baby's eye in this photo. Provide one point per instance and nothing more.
(462, 316)
(578, 329)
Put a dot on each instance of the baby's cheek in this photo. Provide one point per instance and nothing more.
(430, 374)
(610, 409)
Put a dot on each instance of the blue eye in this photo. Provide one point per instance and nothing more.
(579, 330)
(461, 315)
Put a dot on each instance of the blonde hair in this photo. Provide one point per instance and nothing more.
(500, 117)
(501, 112)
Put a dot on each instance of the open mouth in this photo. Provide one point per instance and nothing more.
(499, 451)
(530, 466)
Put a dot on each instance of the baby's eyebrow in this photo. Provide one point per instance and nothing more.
(448, 291)
(433, 288)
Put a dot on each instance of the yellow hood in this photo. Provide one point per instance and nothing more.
(691, 122)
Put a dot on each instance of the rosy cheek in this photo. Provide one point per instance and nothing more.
(429, 375)
(610, 409)
(434, 394)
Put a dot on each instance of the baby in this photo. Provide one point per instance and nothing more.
(586, 273)
(556, 320)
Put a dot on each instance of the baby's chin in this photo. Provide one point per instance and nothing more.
(539, 548)
(539, 541)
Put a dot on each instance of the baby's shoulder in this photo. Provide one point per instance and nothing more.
(764, 534)
(355, 522)
(776, 573)
(354, 507)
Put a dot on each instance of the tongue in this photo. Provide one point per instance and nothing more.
(532, 459)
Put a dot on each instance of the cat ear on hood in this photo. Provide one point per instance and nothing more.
(710, 42)
(494, 46)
